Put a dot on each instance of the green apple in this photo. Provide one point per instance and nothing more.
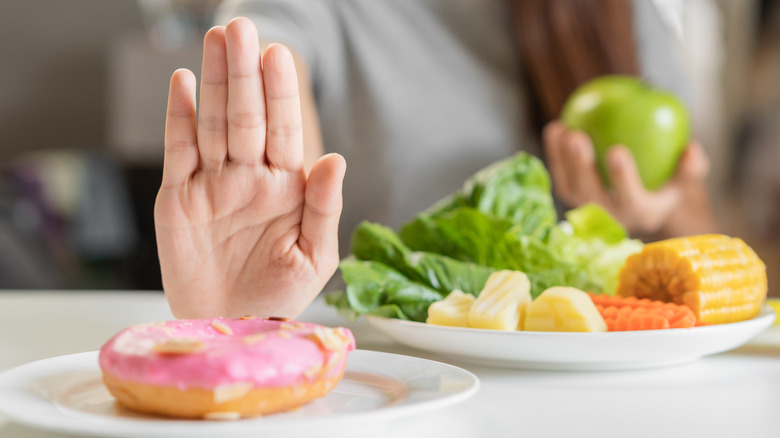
(622, 110)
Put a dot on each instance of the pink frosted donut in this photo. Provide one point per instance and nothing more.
(223, 368)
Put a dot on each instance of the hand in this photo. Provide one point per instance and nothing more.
(240, 228)
(576, 181)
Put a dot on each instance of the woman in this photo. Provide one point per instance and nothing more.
(417, 95)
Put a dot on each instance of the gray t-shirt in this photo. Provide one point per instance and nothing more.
(417, 95)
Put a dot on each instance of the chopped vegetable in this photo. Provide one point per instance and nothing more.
(563, 309)
(501, 304)
(631, 313)
(452, 311)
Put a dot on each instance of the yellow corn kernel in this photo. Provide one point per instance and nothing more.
(452, 311)
(563, 309)
(501, 303)
(719, 277)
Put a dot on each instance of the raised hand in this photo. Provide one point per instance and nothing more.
(240, 227)
(679, 207)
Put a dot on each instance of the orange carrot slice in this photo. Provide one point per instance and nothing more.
(631, 313)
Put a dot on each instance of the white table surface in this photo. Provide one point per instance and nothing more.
(736, 394)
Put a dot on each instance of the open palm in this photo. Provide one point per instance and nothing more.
(240, 227)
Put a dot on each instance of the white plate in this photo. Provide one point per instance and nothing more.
(575, 351)
(66, 394)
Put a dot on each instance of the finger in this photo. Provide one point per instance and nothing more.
(642, 210)
(284, 144)
(321, 212)
(212, 117)
(246, 103)
(584, 182)
(568, 157)
(694, 165)
(552, 136)
(181, 144)
(624, 175)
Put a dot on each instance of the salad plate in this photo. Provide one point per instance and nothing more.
(575, 351)
(66, 394)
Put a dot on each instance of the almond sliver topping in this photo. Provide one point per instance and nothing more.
(222, 416)
(253, 339)
(225, 393)
(295, 326)
(330, 339)
(312, 371)
(221, 327)
(332, 361)
(180, 346)
(246, 317)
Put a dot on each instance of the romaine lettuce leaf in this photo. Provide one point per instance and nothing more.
(444, 274)
(516, 189)
(375, 288)
(463, 233)
(470, 235)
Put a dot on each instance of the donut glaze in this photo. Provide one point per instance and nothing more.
(220, 355)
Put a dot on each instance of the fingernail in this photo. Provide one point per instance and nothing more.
(283, 61)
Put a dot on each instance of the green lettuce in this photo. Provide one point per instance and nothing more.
(469, 235)
(375, 288)
(595, 242)
(502, 218)
(384, 277)
(463, 233)
(516, 189)
(438, 272)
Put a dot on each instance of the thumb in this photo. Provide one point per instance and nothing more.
(321, 213)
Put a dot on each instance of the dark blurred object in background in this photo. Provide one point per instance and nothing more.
(65, 221)
(757, 162)
(81, 136)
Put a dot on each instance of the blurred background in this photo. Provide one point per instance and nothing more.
(83, 86)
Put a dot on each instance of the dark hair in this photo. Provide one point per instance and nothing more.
(564, 43)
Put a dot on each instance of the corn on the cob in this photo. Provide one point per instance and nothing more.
(719, 277)
(501, 303)
(452, 311)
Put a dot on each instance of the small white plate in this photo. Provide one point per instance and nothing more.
(575, 351)
(66, 394)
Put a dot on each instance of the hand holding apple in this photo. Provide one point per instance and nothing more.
(572, 162)
(622, 110)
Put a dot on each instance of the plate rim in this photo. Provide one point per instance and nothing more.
(102, 425)
(523, 349)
